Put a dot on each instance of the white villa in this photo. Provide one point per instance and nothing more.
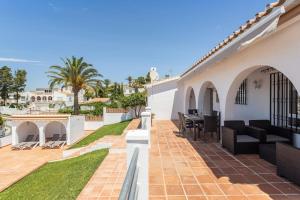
(41, 98)
(252, 74)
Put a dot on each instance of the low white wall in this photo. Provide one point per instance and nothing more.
(92, 125)
(5, 140)
(112, 118)
(140, 139)
(12, 111)
(75, 129)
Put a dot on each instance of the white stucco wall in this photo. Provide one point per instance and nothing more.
(163, 100)
(279, 50)
(75, 129)
(5, 140)
(112, 118)
(258, 99)
(92, 125)
(23, 125)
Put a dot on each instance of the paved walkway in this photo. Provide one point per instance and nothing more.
(107, 181)
(180, 169)
(16, 164)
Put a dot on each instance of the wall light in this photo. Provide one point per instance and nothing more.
(257, 84)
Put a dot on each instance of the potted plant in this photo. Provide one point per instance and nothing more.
(296, 140)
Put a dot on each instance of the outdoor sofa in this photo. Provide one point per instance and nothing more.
(288, 161)
(273, 134)
(240, 139)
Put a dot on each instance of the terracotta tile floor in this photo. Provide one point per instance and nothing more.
(16, 164)
(107, 181)
(183, 169)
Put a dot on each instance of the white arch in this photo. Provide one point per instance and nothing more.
(235, 84)
(25, 129)
(54, 127)
(204, 98)
(190, 99)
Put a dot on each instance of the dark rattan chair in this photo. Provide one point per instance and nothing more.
(273, 133)
(186, 124)
(210, 125)
(288, 161)
(240, 139)
(192, 111)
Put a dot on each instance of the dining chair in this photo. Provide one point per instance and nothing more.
(187, 124)
(210, 125)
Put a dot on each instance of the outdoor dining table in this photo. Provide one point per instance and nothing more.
(196, 119)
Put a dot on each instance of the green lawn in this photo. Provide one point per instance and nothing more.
(57, 180)
(113, 129)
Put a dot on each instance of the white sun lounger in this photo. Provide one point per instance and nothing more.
(29, 138)
(29, 145)
(48, 144)
(60, 143)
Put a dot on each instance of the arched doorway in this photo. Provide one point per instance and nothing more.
(25, 129)
(208, 100)
(54, 127)
(263, 92)
(190, 99)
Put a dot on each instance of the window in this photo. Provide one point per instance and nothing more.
(284, 102)
(241, 96)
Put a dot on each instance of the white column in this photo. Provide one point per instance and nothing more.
(14, 136)
(148, 109)
(42, 135)
(140, 139)
(146, 120)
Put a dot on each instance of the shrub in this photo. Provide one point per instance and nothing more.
(134, 101)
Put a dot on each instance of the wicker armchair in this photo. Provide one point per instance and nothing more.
(240, 139)
(273, 133)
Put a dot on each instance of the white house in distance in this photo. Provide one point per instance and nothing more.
(41, 98)
(252, 74)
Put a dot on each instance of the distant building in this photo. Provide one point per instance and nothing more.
(130, 90)
(45, 98)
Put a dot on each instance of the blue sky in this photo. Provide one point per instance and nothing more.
(120, 38)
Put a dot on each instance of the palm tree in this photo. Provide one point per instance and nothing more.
(107, 82)
(129, 79)
(75, 73)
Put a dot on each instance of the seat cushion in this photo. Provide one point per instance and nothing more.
(276, 138)
(246, 138)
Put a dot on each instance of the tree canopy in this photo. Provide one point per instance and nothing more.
(74, 72)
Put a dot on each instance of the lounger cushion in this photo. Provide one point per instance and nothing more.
(246, 138)
(276, 138)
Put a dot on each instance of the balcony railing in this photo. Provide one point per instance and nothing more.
(130, 187)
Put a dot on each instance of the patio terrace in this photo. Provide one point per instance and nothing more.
(184, 169)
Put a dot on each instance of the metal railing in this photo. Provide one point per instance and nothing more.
(130, 188)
